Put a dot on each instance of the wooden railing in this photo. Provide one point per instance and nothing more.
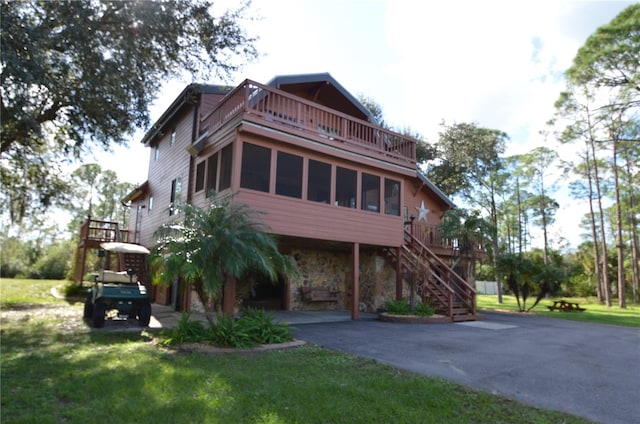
(97, 230)
(433, 236)
(126, 236)
(444, 282)
(92, 233)
(280, 107)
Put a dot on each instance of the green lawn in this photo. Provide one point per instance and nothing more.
(62, 372)
(595, 312)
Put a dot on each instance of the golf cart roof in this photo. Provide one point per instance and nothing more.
(119, 247)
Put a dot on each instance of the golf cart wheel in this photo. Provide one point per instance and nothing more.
(144, 314)
(99, 309)
(88, 306)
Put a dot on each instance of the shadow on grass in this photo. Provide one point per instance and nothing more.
(113, 375)
(126, 376)
(26, 306)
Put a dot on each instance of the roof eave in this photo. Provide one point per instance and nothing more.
(186, 97)
(320, 77)
(137, 193)
(436, 190)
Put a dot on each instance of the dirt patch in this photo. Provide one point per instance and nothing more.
(68, 319)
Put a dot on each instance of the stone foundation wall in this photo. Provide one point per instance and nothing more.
(332, 271)
(377, 281)
(322, 269)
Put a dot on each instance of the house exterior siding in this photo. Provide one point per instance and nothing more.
(320, 235)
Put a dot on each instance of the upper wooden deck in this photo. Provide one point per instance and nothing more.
(433, 237)
(286, 112)
(94, 231)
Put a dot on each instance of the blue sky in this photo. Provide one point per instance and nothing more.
(497, 63)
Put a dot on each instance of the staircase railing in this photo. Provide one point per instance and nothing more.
(433, 284)
(92, 233)
(98, 230)
(450, 284)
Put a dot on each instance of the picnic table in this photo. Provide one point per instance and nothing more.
(563, 305)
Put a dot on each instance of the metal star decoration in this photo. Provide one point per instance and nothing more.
(422, 212)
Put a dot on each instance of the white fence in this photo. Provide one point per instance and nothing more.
(487, 287)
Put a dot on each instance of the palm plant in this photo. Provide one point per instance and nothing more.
(207, 247)
(470, 231)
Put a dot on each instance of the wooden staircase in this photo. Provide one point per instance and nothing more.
(136, 261)
(94, 232)
(444, 288)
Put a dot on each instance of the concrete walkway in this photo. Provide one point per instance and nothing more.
(164, 317)
(589, 370)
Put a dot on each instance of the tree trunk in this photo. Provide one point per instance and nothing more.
(594, 236)
(619, 242)
(545, 236)
(606, 289)
(412, 295)
(633, 229)
(206, 302)
(519, 217)
(494, 242)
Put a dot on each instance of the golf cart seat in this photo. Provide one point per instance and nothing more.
(108, 276)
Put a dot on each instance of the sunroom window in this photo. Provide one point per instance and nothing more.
(289, 175)
(256, 167)
(346, 187)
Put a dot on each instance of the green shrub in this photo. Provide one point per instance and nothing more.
(424, 310)
(397, 307)
(72, 289)
(188, 331)
(231, 332)
(54, 262)
(401, 307)
(264, 329)
(254, 327)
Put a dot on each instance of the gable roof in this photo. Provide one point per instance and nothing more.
(316, 87)
(139, 192)
(424, 180)
(189, 96)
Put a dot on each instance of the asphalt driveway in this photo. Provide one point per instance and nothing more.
(590, 370)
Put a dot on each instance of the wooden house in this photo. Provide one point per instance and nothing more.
(342, 194)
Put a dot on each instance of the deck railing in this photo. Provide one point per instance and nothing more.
(433, 236)
(449, 283)
(280, 107)
(97, 230)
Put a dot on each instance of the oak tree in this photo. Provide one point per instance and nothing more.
(82, 74)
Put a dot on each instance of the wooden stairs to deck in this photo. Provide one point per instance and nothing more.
(94, 232)
(136, 261)
(439, 284)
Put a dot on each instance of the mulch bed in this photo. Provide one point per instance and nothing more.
(413, 319)
(212, 350)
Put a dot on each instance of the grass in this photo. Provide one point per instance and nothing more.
(52, 375)
(24, 293)
(594, 313)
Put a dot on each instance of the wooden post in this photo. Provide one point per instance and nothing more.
(287, 294)
(355, 303)
(229, 299)
(399, 273)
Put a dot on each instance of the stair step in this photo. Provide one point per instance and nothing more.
(466, 317)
